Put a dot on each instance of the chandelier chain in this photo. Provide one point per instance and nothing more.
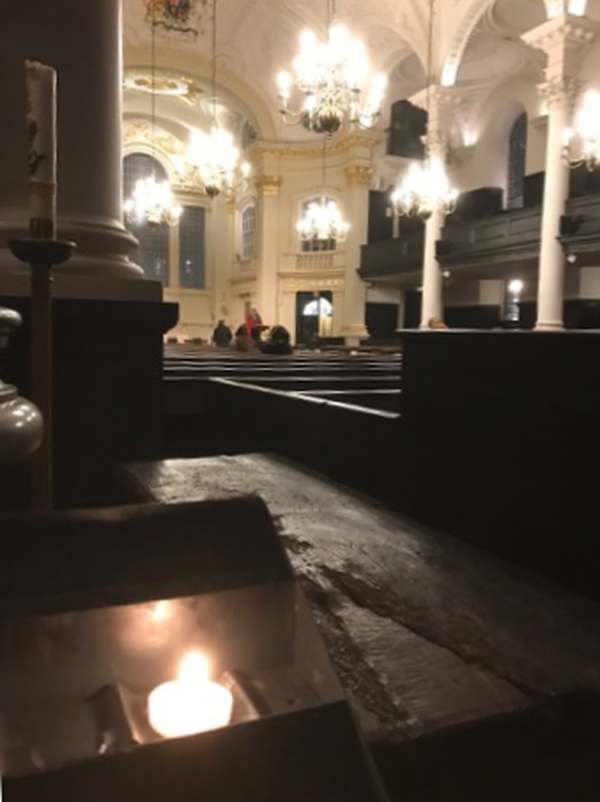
(429, 68)
(153, 83)
(214, 62)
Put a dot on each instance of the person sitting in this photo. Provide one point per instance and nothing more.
(436, 323)
(278, 342)
(242, 342)
(222, 335)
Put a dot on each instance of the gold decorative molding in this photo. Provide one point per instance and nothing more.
(359, 175)
(139, 132)
(177, 86)
(268, 186)
(298, 150)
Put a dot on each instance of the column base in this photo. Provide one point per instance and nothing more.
(549, 325)
(353, 334)
(102, 266)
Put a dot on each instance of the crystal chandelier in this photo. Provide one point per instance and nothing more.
(322, 219)
(152, 201)
(333, 77)
(212, 159)
(425, 188)
(581, 145)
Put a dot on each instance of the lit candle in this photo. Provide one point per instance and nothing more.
(191, 703)
(40, 84)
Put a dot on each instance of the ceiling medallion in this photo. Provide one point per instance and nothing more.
(175, 15)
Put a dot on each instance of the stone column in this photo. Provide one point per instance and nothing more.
(82, 40)
(268, 187)
(564, 39)
(358, 178)
(432, 302)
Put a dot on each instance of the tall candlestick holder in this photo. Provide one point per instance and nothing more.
(42, 255)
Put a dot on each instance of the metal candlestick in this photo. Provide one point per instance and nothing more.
(42, 255)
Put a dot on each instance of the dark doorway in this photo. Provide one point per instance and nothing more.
(381, 320)
(313, 316)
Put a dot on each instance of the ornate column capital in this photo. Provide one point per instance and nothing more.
(359, 175)
(559, 92)
(565, 40)
(268, 186)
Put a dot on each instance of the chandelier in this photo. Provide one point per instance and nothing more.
(152, 201)
(425, 188)
(581, 145)
(333, 76)
(212, 159)
(322, 219)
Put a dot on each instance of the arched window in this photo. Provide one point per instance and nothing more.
(312, 245)
(517, 151)
(192, 231)
(248, 232)
(154, 241)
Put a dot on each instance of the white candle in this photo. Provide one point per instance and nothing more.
(191, 703)
(40, 84)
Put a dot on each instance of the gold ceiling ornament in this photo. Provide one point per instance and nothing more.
(179, 16)
(177, 86)
(308, 150)
(139, 133)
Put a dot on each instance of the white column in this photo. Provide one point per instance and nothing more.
(564, 39)
(268, 258)
(83, 41)
(432, 304)
(358, 178)
(558, 96)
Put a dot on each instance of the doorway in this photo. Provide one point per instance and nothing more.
(314, 316)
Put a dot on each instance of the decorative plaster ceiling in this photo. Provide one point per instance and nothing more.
(257, 38)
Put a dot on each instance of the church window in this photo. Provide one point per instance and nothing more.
(312, 245)
(154, 241)
(517, 151)
(248, 232)
(192, 231)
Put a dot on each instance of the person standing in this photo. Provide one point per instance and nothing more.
(222, 335)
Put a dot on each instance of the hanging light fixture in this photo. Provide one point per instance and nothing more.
(212, 159)
(322, 219)
(333, 77)
(581, 144)
(425, 188)
(152, 200)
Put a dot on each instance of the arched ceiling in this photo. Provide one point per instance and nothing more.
(258, 38)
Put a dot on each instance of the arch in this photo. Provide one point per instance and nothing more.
(471, 16)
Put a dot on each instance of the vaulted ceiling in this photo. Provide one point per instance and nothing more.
(257, 38)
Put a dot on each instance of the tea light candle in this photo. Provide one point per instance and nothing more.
(40, 84)
(191, 703)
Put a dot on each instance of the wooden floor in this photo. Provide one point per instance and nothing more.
(426, 633)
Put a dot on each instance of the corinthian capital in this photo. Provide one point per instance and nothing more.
(559, 92)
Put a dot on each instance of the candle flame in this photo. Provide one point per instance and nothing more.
(194, 668)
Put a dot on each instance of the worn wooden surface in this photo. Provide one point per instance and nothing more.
(424, 631)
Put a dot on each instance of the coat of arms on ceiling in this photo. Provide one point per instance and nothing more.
(182, 16)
